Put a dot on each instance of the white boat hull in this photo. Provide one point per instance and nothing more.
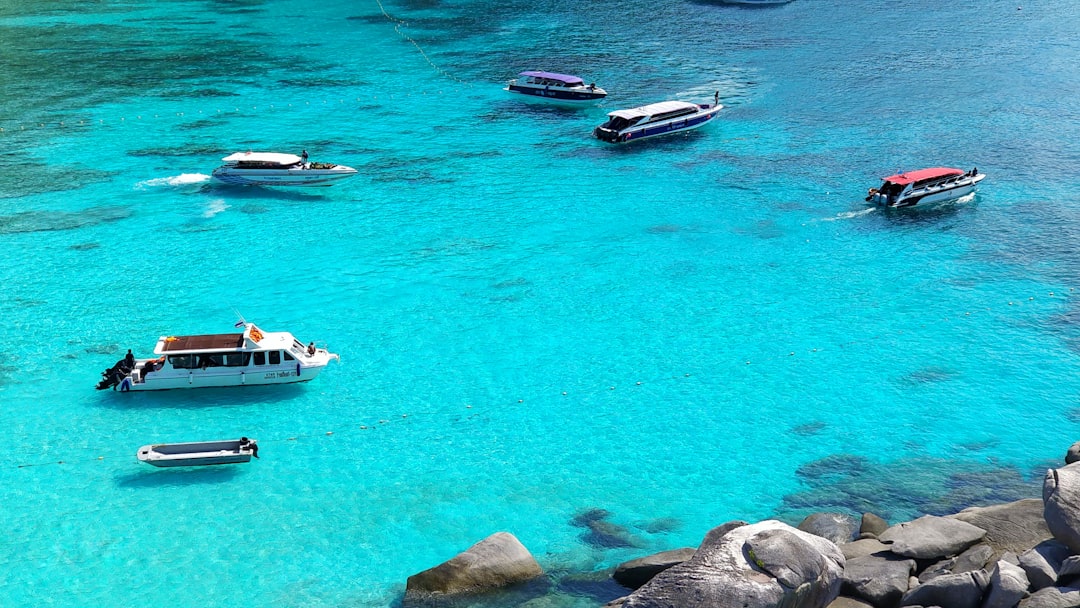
(283, 177)
(218, 377)
(196, 454)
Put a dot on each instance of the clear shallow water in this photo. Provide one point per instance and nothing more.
(498, 283)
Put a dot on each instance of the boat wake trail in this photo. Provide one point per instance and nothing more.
(184, 179)
(215, 207)
(847, 215)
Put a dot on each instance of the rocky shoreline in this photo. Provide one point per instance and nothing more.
(1024, 553)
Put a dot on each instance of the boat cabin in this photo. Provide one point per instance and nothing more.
(252, 347)
(657, 112)
(262, 160)
(551, 79)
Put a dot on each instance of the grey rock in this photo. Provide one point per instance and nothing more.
(838, 527)
(872, 524)
(849, 602)
(1015, 526)
(1073, 453)
(1061, 499)
(1053, 597)
(861, 547)
(764, 565)
(1069, 571)
(973, 559)
(931, 537)
(953, 590)
(497, 561)
(880, 579)
(637, 572)
(1008, 585)
(1041, 563)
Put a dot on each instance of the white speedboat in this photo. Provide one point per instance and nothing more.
(274, 169)
(558, 88)
(199, 453)
(924, 187)
(238, 359)
(655, 119)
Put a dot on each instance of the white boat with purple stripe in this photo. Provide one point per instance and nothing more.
(555, 87)
(275, 169)
(655, 119)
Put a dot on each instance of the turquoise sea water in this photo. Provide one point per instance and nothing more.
(537, 330)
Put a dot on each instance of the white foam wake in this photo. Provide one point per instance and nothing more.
(847, 215)
(215, 207)
(184, 179)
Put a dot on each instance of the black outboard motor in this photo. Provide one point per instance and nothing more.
(112, 376)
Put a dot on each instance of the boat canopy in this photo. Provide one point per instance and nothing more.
(262, 157)
(177, 345)
(568, 79)
(654, 109)
(922, 174)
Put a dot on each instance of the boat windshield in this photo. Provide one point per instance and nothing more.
(264, 165)
(618, 123)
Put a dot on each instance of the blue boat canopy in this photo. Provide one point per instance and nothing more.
(568, 79)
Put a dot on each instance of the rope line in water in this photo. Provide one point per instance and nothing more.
(397, 28)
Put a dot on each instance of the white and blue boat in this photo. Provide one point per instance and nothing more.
(655, 119)
(557, 88)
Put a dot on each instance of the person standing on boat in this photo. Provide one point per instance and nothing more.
(129, 360)
(303, 158)
(716, 99)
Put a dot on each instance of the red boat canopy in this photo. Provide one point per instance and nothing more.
(915, 176)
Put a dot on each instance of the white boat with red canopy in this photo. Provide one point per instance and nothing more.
(275, 169)
(925, 186)
(212, 360)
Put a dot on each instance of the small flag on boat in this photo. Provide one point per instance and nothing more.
(239, 323)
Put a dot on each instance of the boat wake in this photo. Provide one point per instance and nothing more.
(184, 179)
(215, 207)
(847, 215)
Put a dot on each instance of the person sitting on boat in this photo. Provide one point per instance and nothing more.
(311, 349)
(247, 444)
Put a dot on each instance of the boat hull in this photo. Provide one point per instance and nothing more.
(196, 453)
(219, 378)
(655, 130)
(282, 177)
(571, 97)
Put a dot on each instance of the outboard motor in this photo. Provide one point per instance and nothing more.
(112, 376)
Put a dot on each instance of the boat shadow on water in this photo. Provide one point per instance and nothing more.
(926, 214)
(261, 193)
(179, 476)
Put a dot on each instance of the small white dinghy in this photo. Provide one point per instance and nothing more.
(197, 453)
